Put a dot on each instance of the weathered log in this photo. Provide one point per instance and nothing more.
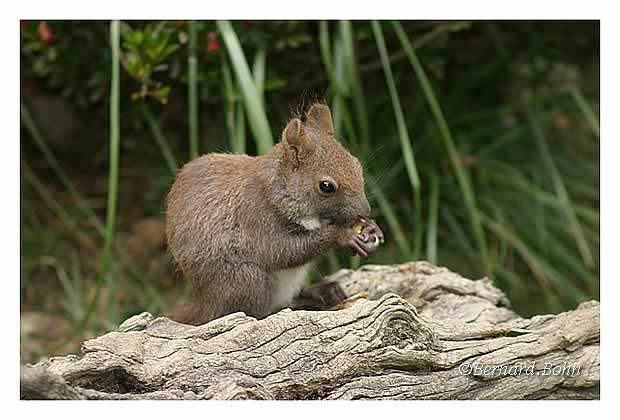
(423, 333)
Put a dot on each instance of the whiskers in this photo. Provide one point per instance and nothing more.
(382, 178)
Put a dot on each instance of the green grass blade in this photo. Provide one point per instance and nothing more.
(587, 111)
(192, 86)
(49, 199)
(499, 248)
(433, 210)
(503, 140)
(58, 210)
(405, 142)
(561, 253)
(113, 171)
(418, 233)
(51, 160)
(338, 97)
(326, 54)
(76, 275)
(357, 93)
(258, 70)
(513, 179)
(533, 262)
(458, 235)
(255, 110)
(461, 175)
(349, 132)
(71, 301)
(230, 100)
(514, 281)
(160, 139)
(560, 191)
(387, 210)
(240, 129)
(339, 89)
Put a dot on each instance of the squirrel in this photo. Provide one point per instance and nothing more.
(244, 230)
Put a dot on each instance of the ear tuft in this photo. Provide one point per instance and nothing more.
(320, 117)
(296, 143)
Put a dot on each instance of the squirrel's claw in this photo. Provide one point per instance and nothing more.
(366, 241)
(323, 294)
(357, 245)
(372, 228)
(361, 247)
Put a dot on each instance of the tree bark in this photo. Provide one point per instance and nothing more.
(423, 332)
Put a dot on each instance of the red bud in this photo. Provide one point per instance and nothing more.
(213, 44)
(45, 33)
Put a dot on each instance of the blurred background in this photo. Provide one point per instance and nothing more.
(480, 142)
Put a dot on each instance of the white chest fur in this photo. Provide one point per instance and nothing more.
(311, 223)
(289, 283)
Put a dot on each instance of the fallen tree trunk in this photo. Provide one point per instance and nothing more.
(423, 333)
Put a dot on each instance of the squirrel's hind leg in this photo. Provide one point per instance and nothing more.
(236, 288)
(321, 296)
(248, 289)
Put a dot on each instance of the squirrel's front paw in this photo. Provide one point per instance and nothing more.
(366, 239)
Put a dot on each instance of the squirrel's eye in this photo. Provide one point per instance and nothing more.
(327, 187)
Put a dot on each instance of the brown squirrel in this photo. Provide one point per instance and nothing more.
(244, 229)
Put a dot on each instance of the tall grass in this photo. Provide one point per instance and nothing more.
(433, 216)
(403, 135)
(451, 149)
(258, 70)
(464, 214)
(51, 202)
(234, 111)
(70, 222)
(104, 270)
(104, 275)
(560, 191)
(160, 139)
(587, 111)
(405, 141)
(347, 35)
(494, 188)
(192, 86)
(51, 160)
(251, 95)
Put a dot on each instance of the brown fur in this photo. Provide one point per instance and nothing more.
(234, 220)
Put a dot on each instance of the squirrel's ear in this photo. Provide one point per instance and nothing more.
(319, 116)
(295, 141)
